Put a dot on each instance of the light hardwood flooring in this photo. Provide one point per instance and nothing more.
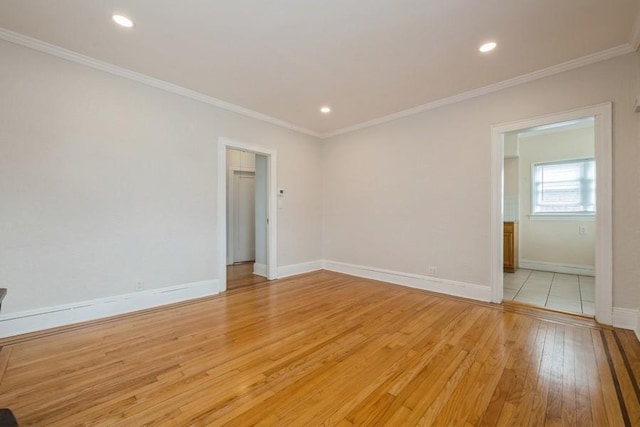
(241, 275)
(326, 349)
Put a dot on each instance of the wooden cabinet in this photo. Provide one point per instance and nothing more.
(510, 244)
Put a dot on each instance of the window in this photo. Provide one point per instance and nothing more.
(564, 188)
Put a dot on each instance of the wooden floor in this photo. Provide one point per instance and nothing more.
(241, 275)
(326, 349)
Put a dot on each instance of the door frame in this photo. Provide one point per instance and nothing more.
(272, 224)
(602, 114)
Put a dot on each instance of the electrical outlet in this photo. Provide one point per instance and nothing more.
(432, 271)
(139, 285)
(582, 230)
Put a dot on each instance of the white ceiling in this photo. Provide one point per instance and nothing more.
(367, 59)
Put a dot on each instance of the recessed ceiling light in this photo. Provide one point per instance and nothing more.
(325, 110)
(122, 20)
(487, 47)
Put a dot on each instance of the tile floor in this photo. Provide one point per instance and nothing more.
(567, 292)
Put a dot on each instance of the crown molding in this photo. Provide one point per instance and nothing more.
(525, 78)
(69, 55)
(30, 42)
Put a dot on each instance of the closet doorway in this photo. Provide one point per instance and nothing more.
(241, 207)
(246, 223)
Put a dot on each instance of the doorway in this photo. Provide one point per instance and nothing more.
(244, 217)
(549, 216)
(241, 206)
(601, 116)
(247, 224)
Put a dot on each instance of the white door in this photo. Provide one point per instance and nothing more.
(244, 217)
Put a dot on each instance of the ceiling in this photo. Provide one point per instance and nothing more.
(366, 59)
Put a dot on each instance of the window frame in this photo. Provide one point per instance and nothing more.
(560, 216)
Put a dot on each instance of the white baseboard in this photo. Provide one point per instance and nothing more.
(304, 267)
(428, 283)
(627, 318)
(67, 314)
(582, 270)
(260, 269)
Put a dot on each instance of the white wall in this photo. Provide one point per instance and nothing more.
(554, 241)
(510, 179)
(511, 145)
(105, 182)
(417, 191)
(511, 190)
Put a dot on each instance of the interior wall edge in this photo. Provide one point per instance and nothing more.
(581, 270)
(260, 269)
(300, 268)
(78, 312)
(626, 318)
(69, 314)
(427, 283)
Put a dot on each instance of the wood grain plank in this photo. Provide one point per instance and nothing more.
(5, 355)
(625, 380)
(581, 379)
(616, 415)
(522, 401)
(506, 377)
(540, 397)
